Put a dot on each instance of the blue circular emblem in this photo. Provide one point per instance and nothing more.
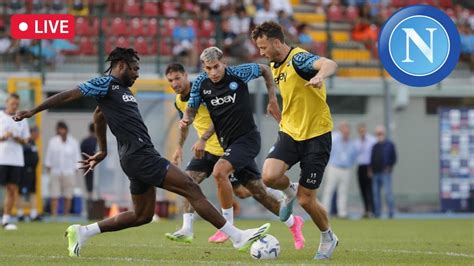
(419, 45)
(233, 85)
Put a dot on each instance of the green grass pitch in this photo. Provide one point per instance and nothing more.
(364, 242)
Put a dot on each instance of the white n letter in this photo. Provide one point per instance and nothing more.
(418, 41)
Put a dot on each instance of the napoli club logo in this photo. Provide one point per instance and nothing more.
(233, 85)
(419, 45)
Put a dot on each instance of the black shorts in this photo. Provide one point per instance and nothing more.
(144, 168)
(313, 155)
(10, 174)
(28, 181)
(241, 154)
(205, 164)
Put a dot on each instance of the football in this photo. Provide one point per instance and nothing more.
(265, 248)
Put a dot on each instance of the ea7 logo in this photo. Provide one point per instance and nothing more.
(223, 100)
(419, 45)
(129, 98)
(206, 92)
(115, 87)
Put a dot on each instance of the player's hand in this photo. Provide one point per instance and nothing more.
(274, 110)
(20, 115)
(183, 123)
(198, 148)
(177, 156)
(315, 82)
(91, 161)
(8, 135)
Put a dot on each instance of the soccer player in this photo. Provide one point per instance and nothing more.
(207, 148)
(305, 127)
(143, 165)
(225, 93)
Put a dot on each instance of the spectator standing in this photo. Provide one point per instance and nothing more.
(384, 157)
(364, 144)
(339, 170)
(62, 156)
(89, 146)
(12, 136)
(28, 180)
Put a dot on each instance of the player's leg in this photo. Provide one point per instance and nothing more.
(315, 156)
(142, 213)
(12, 178)
(281, 157)
(178, 182)
(250, 177)
(222, 172)
(185, 233)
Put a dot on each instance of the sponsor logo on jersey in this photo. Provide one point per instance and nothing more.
(115, 87)
(223, 100)
(280, 77)
(128, 98)
(208, 92)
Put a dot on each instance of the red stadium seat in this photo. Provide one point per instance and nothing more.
(109, 45)
(398, 3)
(86, 46)
(152, 29)
(169, 9)
(170, 24)
(335, 13)
(137, 28)
(119, 27)
(141, 45)
(132, 8)
(122, 42)
(82, 27)
(352, 13)
(446, 3)
(150, 9)
(207, 29)
(165, 47)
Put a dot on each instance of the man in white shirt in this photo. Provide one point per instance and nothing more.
(62, 156)
(12, 136)
(364, 144)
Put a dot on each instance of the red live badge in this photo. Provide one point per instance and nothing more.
(42, 26)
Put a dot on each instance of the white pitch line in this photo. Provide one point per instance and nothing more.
(452, 254)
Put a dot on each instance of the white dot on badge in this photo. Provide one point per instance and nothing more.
(23, 26)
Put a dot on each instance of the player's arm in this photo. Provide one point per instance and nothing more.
(194, 101)
(53, 101)
(183, 135)
(200, 145)
(325, 68)
(272, 108)
(100, 126)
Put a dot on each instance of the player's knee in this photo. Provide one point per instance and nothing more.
(220, 176)
(269, 178)
(241, 193)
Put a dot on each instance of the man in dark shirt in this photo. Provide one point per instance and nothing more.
(225, 93)
(144, 166)
(28, 182)
(89, 147)
(384, 157)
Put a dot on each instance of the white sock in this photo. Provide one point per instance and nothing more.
(290, 222)
(277, 194)
(19, 212)
(326, 236)
(233, 232)
(228, 214)
(5, 219)
(188, 219)
(290, 191)
(90, 230)
(33, 213)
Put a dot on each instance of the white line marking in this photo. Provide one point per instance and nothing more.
(452, 254)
